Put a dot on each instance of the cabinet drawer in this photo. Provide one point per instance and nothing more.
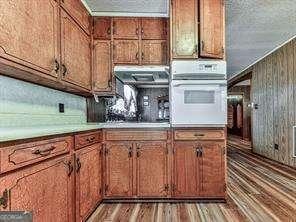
(199, 135)
(17, 156)
(136, 135)
(86, 139)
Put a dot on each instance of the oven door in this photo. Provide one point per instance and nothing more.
(198, 102)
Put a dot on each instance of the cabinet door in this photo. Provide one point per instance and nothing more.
(102, 74)
(76, 64)
(119, 170)
(102, 28)
(125, 28)
(212, 28)
(154, 28)
(77, 10)
(186, 170)
(154, 52)
(184, 29)
(152, 176)
(126, 52)
(213, 169)
(29, 34)
(45, 189)
(88, 166)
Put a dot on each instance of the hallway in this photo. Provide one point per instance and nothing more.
(258, 190)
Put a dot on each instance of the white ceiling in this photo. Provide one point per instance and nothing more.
(149, 8)
(256, 27)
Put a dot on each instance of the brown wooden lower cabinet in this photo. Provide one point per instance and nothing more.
(151, 168)
(199, 169)
(88, 180)
(119, 169)
(186, 170)
(45, 189)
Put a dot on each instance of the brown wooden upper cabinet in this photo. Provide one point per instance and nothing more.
(75, 53)
(184, 29)
(102, 66)
(212, 28)
(154, 28)
(102, 28)
(125, 28)
(126, 52)
(76, 9)
(154, 52)
(29, 35)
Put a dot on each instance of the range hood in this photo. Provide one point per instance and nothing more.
(143, 75)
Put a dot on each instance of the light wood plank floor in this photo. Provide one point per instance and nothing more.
(258, 190)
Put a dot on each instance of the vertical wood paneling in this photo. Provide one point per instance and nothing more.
(274, 88)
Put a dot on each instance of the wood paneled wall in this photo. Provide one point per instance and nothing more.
(274, 90)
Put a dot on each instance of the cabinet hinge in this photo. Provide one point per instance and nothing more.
(225, 187)
(166, 187)
(224, 150)
(4, 199)
(223, 50)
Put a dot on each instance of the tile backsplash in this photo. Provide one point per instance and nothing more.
(26, 104)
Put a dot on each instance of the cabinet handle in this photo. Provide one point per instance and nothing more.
(64, 70)
(142, 31)
(137, 56)
(130, 152)
(70, 167)
(202, 45)
(109, 31)
(91, 139)
(137, 31)
(201, 150)
(197, 151)
(44, 152)
(142, 57)
(78, 163)
(110, 83)
(197, 134)
(4, 199)
(114, 28)
(56, 65)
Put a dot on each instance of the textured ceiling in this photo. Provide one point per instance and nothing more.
(255, 28)
(148, 8)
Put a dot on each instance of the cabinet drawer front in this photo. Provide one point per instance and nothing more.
(87, 139)
(136, 135)
(14, 157)
(199, 135)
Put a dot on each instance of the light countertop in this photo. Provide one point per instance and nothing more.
(17, 133)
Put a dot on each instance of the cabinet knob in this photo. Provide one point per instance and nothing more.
(4, 199)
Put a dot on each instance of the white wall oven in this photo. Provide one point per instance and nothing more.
(198, 101)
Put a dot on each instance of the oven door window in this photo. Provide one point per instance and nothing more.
(199, 97)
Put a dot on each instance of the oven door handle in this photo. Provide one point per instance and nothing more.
(213, 83)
